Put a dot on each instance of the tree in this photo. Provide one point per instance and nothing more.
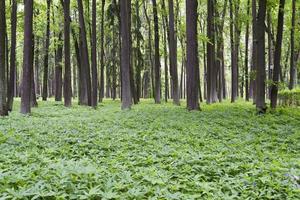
(94, 56)
(46, 56)
(261, 62)
(27, 58)
(125, 53)
(11, 86)
(67, 76)
(173, 55)
(58, 68)
(86, 77)
(3, 93)
(277, 55)
(246, 53)
(102, 53)
(156, 57)
(293, 68)
(192, 56)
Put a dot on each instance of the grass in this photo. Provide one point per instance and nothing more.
(150, 152)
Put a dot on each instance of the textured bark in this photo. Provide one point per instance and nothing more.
(85, 58)
(101, 95)
(46, 56)
(157, 56)
(125, 54)
(3, 92)
(252, 87)
(247, 54)
(114, 51)
(94, 57)
(293, 67)
(277, 55)
(173, 55)
(138, 52)
(261, 62)
(33, 101)
(12, 80)
(58, 69)
(192, 56)
(27, 58)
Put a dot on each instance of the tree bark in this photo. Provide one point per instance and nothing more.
(192, 56)
(27, 57)
(125, 54)
(261, 62)
(94, 56)
(246, 54)
(102, 53)
(293, 68)
(277, 55)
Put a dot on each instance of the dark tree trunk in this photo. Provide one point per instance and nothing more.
(138, 52)
(192, 56)
(252, 87)
(27, 57)
(94, 56)
(114, 50)
(58, 69)
(125, 53)
(246, 54)
(46, 56)
(67, 75)
(101, 94)
(277, 55)
(166, 37)
(12, 75)
(85, 58)
(37, 67)
(33, 101)
(157, 56)
(261, 62)
(293, 67)
(3, 93)
(173, 55)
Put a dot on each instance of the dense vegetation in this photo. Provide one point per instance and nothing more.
(152, 151)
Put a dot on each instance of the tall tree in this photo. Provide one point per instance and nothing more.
(192, 67)
(67, 75)
(277, 54)
(157, 56)
(173, 55)
(3, 93)
(247, 54)
(58, 68)
(293, 68)
(86, 81)
(94, 56)
(252, 86)
(261, 62)
(12, 73)
(211, 68)
(46, 56)
(125, 53)
(27, 58)
(102, 53)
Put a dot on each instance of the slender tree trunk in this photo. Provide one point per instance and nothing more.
(46, 56)
(173, 55)
(261, 62)
(33, 101)
(277, 55)
(94, 56)
(252, 87)
(293, 68)
(85, 57)
(67, 75)
(102, 53)
(125, 54)
(246, 54)
(58, 69)
(165, 59)
(12, 80)
(27, 57)
(192, 56)
(3, 92)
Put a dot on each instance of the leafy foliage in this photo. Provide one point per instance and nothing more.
(152, 151)
(290, 97)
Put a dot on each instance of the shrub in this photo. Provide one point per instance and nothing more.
(289, 97)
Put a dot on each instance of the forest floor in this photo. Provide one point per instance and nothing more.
(150, 152)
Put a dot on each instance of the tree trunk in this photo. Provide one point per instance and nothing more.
(46, 56)
(261, 62)
(27, 57)
(192, 56)
(12, 80)
(252, 87)
(94, 56)
(125, 53)
(246, 54)
(33, 101)
(3, 92)
(293, 67)
(102, 53)
(58, 69)
(277, 55)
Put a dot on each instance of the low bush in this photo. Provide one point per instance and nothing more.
(289, 97)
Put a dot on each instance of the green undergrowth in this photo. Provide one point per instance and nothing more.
(225, 151)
